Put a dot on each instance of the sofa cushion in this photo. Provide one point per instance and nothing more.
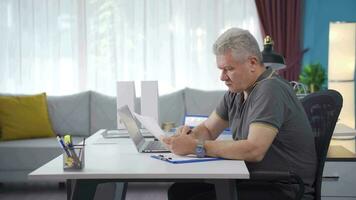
(172, 108)
(199, 102)
(102, 112)
(70, 114)
(29, 154)
(24, 117)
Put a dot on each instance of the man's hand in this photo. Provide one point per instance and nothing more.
(181, 143)
(183, 130)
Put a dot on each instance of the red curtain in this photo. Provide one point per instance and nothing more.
(281, 19)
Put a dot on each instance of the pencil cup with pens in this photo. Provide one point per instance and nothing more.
(73, 155)
(75, 158)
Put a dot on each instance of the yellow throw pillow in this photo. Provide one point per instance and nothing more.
(24, 117)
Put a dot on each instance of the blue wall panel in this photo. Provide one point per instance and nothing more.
(317, 16)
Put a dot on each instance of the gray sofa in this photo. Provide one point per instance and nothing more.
(85, 113)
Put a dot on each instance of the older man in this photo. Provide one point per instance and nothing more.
(269, 127)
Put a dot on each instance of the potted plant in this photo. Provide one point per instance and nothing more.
(313, 76)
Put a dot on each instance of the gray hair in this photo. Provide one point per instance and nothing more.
(241, 42)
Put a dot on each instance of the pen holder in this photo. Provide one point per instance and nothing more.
(73, 157)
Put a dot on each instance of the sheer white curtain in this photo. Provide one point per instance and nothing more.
(66, 46)
(39, 49)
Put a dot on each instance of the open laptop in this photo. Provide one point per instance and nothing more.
(142, 145)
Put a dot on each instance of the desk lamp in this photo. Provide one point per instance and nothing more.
(270, 58)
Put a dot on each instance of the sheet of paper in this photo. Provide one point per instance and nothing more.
(177, 157)
(151, 125)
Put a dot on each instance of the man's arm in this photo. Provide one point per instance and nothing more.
(210, 128)
(252, 149)
(183, 143)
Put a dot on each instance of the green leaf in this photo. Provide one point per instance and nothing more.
(313, 74)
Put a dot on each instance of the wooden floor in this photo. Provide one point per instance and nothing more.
(51, 191)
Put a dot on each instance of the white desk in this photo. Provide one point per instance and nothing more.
(117, 158)
(343, 130)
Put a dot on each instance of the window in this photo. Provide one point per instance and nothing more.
(78, 45)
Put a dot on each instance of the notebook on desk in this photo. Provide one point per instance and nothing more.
(142, 145)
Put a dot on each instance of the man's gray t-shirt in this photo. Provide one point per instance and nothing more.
(273, 102)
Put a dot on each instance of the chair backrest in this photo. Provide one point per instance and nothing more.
(323, 109)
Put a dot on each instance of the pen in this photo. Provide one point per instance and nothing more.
(61, 143)
(162, 157)
(189, 132)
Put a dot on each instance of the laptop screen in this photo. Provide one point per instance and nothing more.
(131, 125)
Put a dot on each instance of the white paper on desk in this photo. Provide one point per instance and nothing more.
(173, 156)
(151, 125)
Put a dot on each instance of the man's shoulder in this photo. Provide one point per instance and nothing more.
(274, 88)
(272, 85)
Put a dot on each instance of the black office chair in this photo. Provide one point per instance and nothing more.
(277, 176)
(323, 109)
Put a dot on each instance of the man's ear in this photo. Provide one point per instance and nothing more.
(253, 60)
(253, 63)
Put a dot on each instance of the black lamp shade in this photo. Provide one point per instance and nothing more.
(270, 58)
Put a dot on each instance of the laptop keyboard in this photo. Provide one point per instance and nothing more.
(155, 145)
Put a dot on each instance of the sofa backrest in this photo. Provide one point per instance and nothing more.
(84, 113)
(103, 110)
(70, 114)
(200, 102)
(172, 107)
